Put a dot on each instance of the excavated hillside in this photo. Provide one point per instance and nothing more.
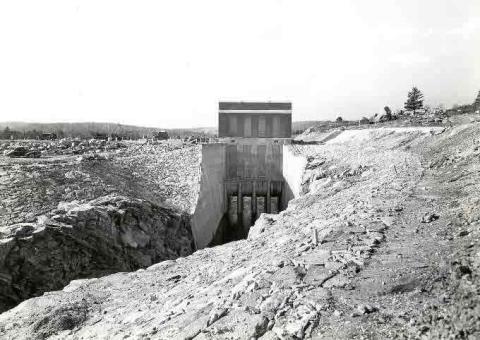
(66, 217)
(106, 235)
(383, 244)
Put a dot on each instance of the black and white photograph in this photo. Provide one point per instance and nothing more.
(239, 169)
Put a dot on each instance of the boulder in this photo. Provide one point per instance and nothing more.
(19, 151)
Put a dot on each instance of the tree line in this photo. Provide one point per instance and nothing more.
(24, 130)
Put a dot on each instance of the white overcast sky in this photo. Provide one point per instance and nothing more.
(168, 63)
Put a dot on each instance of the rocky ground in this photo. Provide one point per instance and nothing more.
(67, 216)
(384, 243)
(65, 146)
(106, 235)
(163, 173)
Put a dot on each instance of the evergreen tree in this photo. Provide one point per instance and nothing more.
(415, 100)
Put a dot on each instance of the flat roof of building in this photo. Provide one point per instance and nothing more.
(250, 106)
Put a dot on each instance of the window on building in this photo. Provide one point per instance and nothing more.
(248, 127)
(276, 126)
(262, 127)
(232, 126)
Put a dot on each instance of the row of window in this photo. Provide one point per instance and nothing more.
(268, 126)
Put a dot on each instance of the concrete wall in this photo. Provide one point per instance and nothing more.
(210, 204)
(293, 168)
(254, 160)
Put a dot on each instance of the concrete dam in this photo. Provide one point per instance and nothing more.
(251, 171)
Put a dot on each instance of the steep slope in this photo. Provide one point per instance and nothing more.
(106, 235)
(365, 252)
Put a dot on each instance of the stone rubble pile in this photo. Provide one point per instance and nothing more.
(170, 169)
(163, 173)
(65, 146)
